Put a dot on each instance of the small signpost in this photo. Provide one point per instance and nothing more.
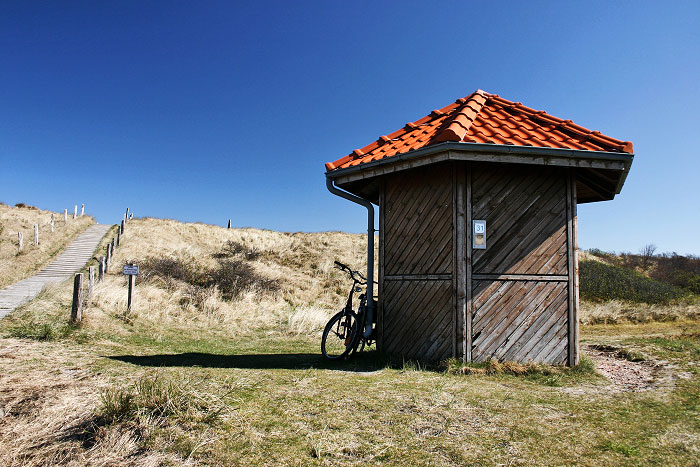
(131, 270)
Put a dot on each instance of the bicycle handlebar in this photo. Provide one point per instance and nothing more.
(352, 273)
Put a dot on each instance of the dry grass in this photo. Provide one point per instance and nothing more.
(193, 377)
(616, 312)
(47, 417)
(301, 264)
(14, 266)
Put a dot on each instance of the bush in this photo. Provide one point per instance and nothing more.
(233, 248)
(26, 206)
(599, 253)
(687, 280)
(232, 277)
(172, 269)
(603, 282)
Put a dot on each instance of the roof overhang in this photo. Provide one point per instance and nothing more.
(600, 175)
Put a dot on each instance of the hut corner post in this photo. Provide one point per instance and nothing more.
(370, 249)
(572, 260)
(460, 278)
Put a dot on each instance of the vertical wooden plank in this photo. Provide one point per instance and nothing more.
(380, 311)
(36, 234)
(571, 316)
(468, 266)
(101, 269)
(460, 275)
(52, 224)
(574, 201)
(455, 280)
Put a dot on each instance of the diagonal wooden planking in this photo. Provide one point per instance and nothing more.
(525, 332)
(525, 222)
(68, 263)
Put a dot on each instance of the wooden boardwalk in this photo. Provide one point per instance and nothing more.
(68, 263)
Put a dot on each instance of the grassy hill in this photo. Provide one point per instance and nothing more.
(21, 218)
(678, 272)
(218, 364)
(635, 288)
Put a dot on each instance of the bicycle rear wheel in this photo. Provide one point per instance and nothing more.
(340, 335)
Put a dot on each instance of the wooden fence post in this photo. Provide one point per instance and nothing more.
(118, 236)
(112, 244)
(108, 259)
(52, 227)
(123, 226)
(75, 211)
(65, 215)
(126, 215)
(229, 223)
(36, 234)
(21, 242)
(131, 216)
(129, 301)
(101, 269)
(76, 311)
(91, 280)
(82, 210)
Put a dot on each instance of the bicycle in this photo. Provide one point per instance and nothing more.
(344, 333)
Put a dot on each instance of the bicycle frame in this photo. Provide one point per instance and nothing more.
(357, 279)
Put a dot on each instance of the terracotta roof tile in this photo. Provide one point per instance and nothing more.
(484, 118)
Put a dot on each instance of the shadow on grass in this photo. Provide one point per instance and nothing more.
(363, 362)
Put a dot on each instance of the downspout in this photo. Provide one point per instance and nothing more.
(370, 249)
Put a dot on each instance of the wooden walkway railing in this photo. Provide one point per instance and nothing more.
(72, 260)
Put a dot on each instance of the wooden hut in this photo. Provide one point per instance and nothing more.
(477, 228)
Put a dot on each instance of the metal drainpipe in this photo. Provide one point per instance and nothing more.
(370, 249)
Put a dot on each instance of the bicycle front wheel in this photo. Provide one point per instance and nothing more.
(340, 335)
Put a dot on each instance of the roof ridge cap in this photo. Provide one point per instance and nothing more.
(463, 117)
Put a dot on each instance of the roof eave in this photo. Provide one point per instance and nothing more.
(478, 152)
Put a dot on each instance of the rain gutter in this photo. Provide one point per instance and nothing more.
(370, 250)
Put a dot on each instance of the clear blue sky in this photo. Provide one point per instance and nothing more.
(205, 111)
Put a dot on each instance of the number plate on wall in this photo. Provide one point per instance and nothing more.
(479, 234)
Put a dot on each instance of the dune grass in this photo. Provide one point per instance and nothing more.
(16, 266)
(193, 376)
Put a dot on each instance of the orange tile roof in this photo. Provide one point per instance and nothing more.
(484, 118)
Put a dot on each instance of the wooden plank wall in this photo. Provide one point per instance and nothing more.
(520, 297)
(417, 309)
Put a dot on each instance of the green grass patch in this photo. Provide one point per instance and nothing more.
(620, 448)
